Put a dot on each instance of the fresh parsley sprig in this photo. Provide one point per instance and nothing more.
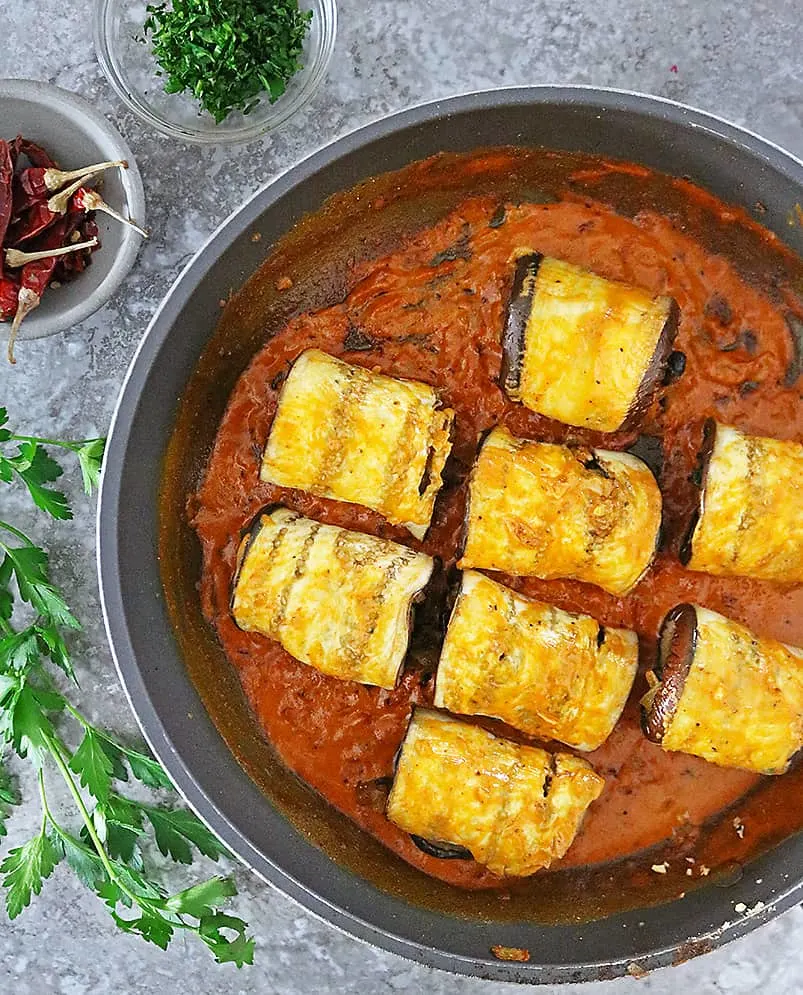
(32, 465)
(109, 853)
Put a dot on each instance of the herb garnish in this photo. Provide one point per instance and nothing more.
(109, 852)
(226, 53)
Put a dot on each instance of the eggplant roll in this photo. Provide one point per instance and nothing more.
(750, 517)
(541, 510)
(581, 349)
(514, 808)
(337, 600)
(343, 432)
(722, 693)
(542, 670)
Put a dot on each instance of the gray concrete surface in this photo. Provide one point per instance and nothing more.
(741, 61)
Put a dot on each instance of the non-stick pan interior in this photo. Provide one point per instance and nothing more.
(185, 694)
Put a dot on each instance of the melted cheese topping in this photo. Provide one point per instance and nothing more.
(516, 808)
(751, 519)
(337, 600)
(534, 666)
(588, 345)
(742, 703)
(343, 432)
(537, 509)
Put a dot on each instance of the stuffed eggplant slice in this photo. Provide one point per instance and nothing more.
(337, 600)
(343, 432)
(544, 671)
(724, 694)
(542, 510)
(581, 349)
(513, 808)
(750, 517)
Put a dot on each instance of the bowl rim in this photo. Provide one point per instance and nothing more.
(318, 65)
(147, 712)
(71, 106)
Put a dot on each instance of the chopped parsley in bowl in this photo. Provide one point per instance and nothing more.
(215, 71)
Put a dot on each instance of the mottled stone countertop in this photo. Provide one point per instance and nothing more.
(739, 60)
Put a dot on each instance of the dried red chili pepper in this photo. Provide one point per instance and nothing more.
(38, 182)
(9, 293)
(35, 276)
(41, 216)
(6, 195)
(90, 200)
(37, 156)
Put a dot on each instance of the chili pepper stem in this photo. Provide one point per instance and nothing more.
(28, 301)
(59, 202)
(15, 258)
(56, 178)
(90, 200)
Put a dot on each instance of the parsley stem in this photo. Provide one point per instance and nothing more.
(73, 444)
(15, 532)
(45, 810)
(56, 749)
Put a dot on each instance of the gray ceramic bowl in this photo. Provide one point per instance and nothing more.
(181, 687)
(77, 135)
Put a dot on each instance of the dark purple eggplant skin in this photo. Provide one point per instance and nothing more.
(247, 536)
(517, 315)
(677, 642)
(699, 476)
(656, 372)
(444, 851)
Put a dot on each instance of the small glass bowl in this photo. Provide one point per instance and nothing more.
(131, 69)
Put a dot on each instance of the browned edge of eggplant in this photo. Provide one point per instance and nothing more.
(247, 535)
(454, 593)
(516, 318)
(656, 370)
(677, 643)
(433, 848)
(699, 477)
(463, 538)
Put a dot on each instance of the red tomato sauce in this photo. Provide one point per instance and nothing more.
(433, 311)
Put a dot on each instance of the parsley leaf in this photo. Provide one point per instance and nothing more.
(177, 830)
(239, 950)
(123, 831)
(24, 869)
(147, 770)
(36, 469)
(82, 859)
(32, 731)
(90, 458)
(202, 899)
(93, 765)
(19, 650)
(30, 566)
